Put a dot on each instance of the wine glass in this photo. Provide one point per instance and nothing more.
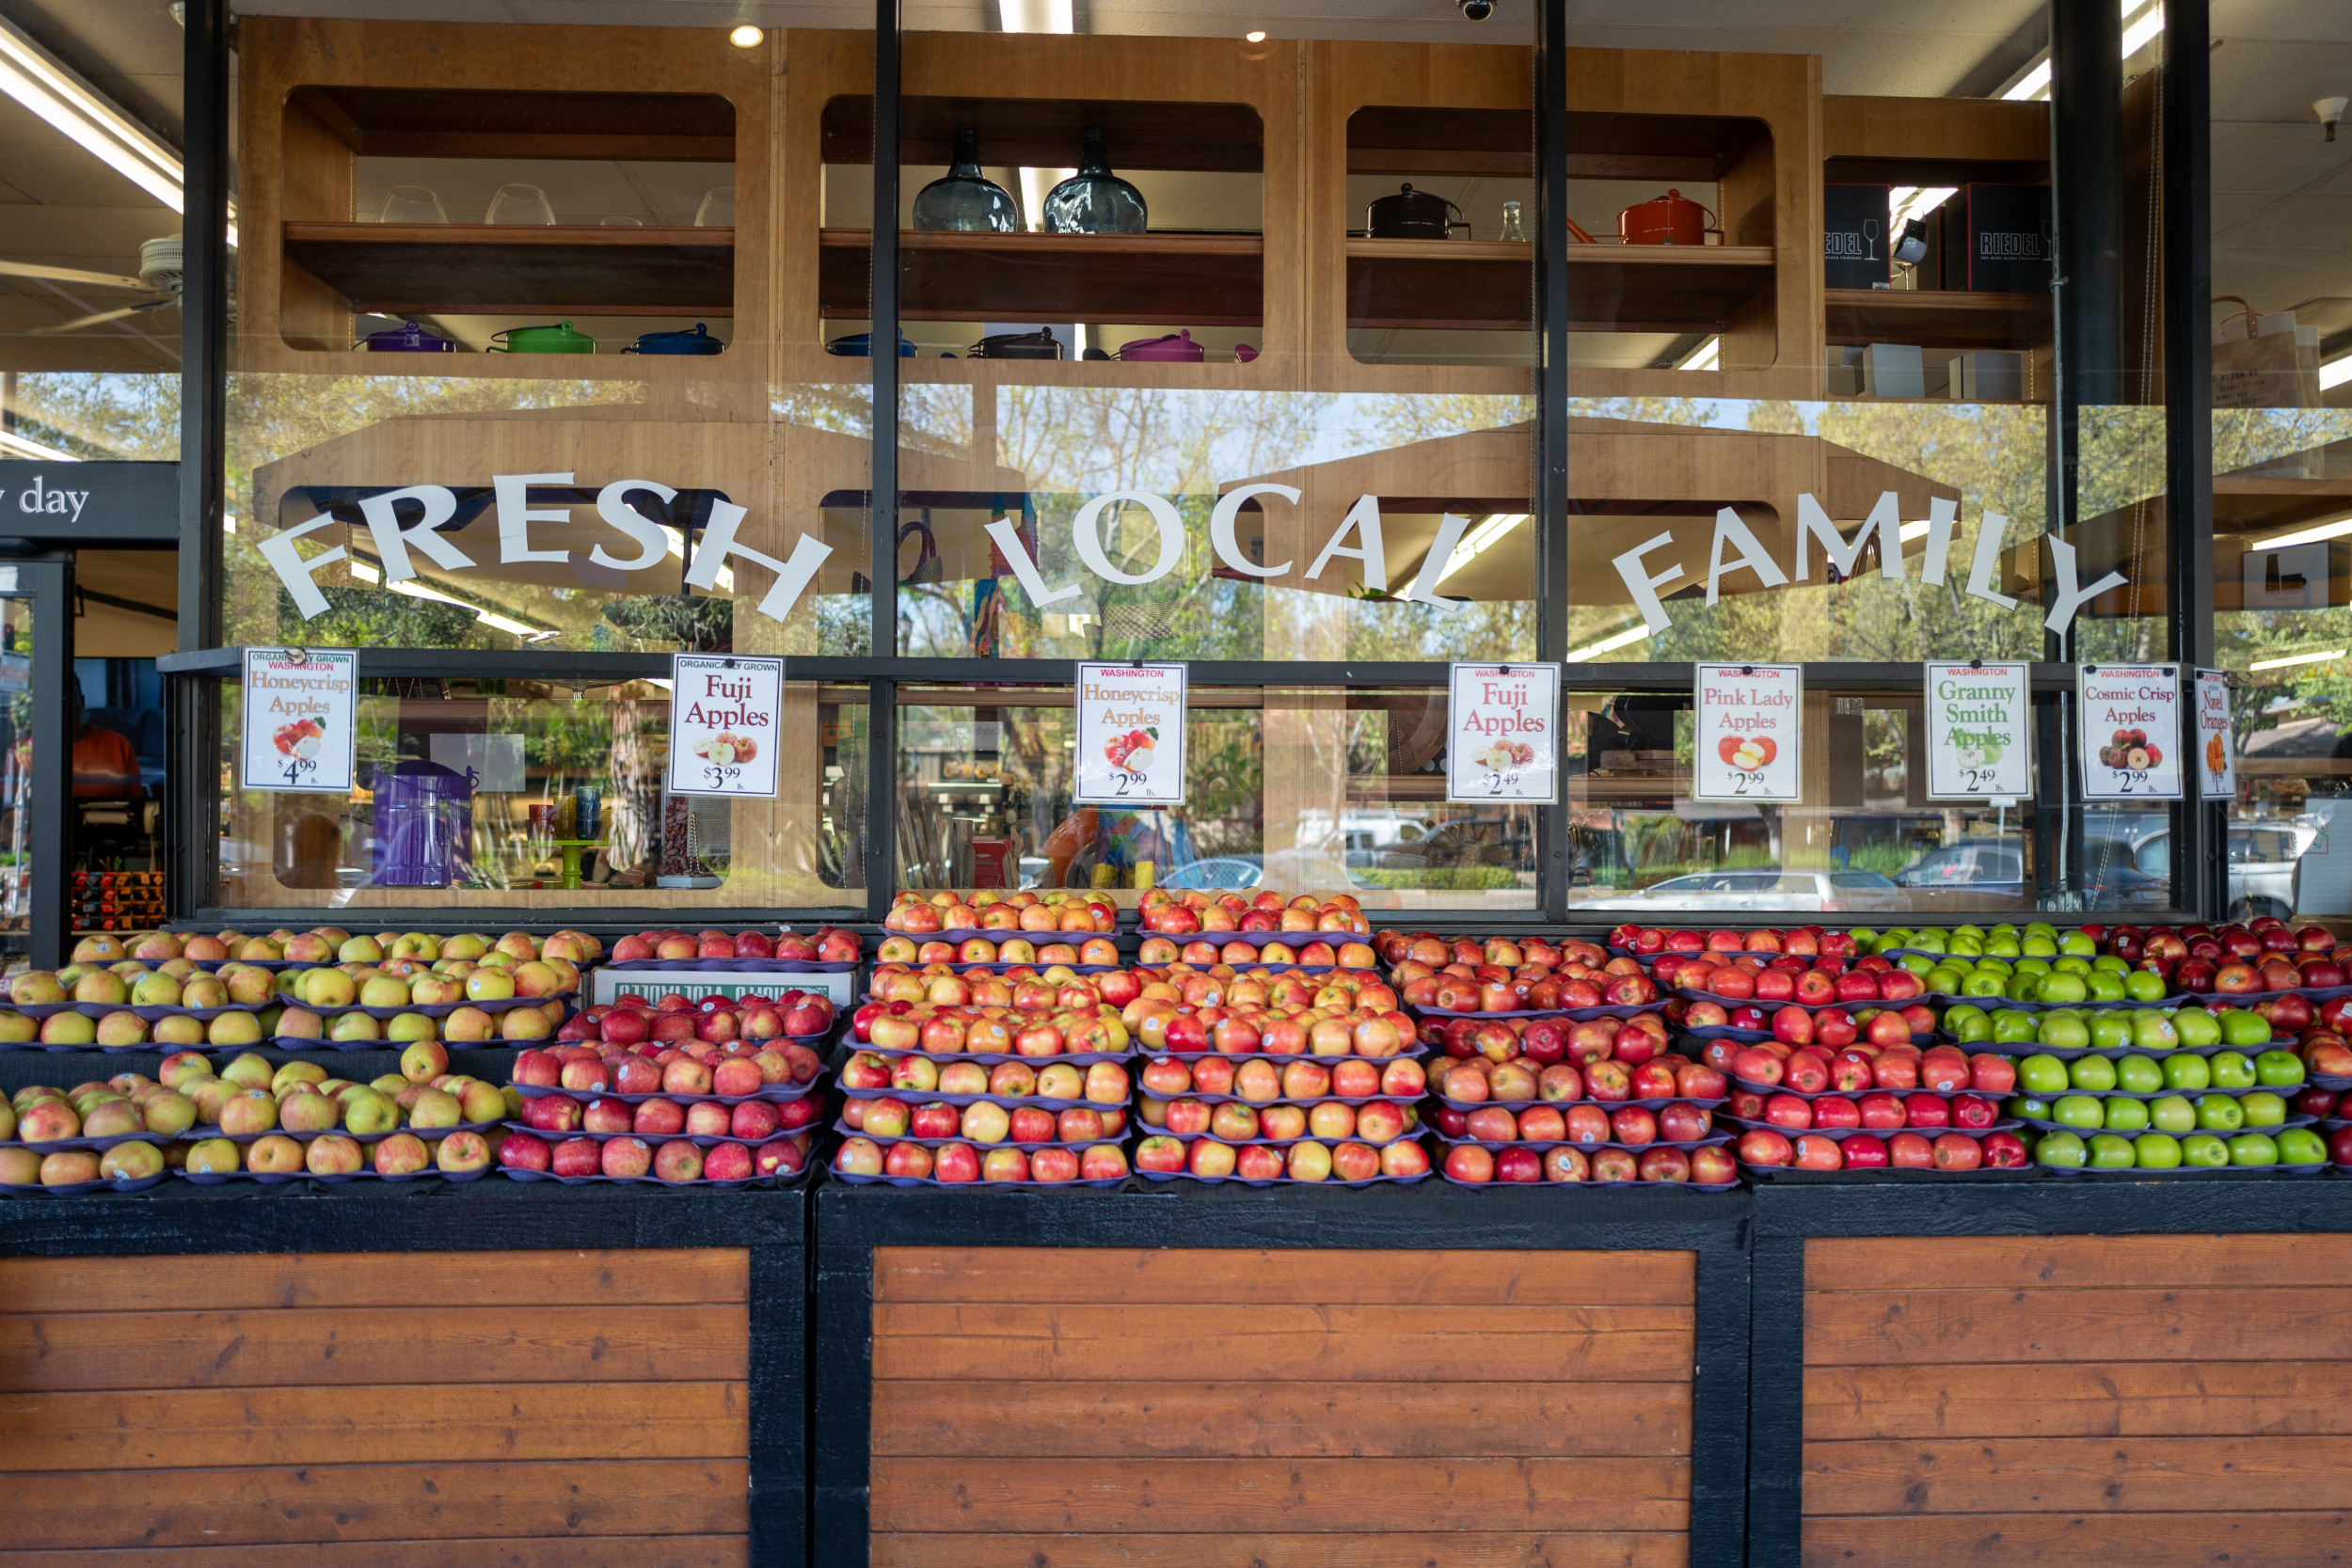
(411, 204)
(519, 204)
(621, 223)
(1871, 233)
(718, 208)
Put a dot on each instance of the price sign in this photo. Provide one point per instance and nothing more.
(1979, 722)
(1750, 722)
(301, 718)
(2130, 719)
(1130, 734)
(1503, 732)
(724, 724)
(2217, 743)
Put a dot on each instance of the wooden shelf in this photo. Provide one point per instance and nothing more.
(1044, 133)
(1187, 280)
(1944, 318)
(439, 122)
(1487, 285)
(485, 269)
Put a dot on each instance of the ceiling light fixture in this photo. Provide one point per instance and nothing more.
(1480, 539)
(1709, 356)
(1609, 645)
(746, 36)
(13, 445)
(2297, 658)
(44, 83)
(2309, 533)
(1259, 38)
(2035, 83)
(2330, 110)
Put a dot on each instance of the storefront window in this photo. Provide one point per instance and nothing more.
(528, 350)
(2281, 320)
(1304, 791)
(1242, 336)
(534, 795)
(91, 265)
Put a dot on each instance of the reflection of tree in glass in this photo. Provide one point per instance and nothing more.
(664, 623)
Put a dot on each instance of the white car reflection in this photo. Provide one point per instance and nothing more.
(1764, 889)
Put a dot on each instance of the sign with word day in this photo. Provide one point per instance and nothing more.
(1979, 727)
(2130, 719)
(724, 724)
(1750, 721)
(1505, 739)
(1130, 734)
(301, 709)
(2217, 743)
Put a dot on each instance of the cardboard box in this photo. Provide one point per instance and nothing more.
(1856, 252)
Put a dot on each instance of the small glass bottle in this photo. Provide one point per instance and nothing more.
(1512, 234)
(964, 201)
(1095, 201)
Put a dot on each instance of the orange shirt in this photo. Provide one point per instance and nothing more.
(103, 752)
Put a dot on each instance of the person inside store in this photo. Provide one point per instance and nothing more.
(1116, 837)
(104, 766)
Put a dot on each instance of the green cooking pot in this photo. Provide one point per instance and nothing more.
(559, 339)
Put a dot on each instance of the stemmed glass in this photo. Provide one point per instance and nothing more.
(412, 204)
(718, 208)
(1870, 232)
(520, 204)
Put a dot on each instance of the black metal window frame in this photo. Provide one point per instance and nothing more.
(2084, 47)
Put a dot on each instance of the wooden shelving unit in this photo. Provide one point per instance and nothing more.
(1948, 318)
(1200, 279)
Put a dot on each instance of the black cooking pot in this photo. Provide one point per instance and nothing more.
(1411, 214)
(1040, 345)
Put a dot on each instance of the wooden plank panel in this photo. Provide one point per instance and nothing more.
(606, 1551)
(446, 1422)
(230, 1280)
(1281, 1275)
(60, 1351)
(2077, 1262)
(1379, 1421)
(2114, 1398)
(2080, 1541)
(377, 1502)
(1220, 1496)
(1287, 1344)
(1465, 1549)
(2103, 1475)
(2296, 1322)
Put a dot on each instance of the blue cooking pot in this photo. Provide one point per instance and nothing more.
(698, 340)
(861, 345)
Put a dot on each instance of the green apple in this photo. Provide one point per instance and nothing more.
(2232, 1069)
(2062, 987)
(2300, 1146)
(1929, 940)
(2218, 1113)
(2002, 946)
(2078, 943)
(2023, 987)
(2138, 1075)
(2187, 1072)
(2263, 1109)
(2090, 1073)
(2126, 1115)
(1918, 963)
(2157, 1151)
(2042, 1075)
(2172, 1113)
(2203, 1150)
(2079, 1111)
(2111, 1031)
(2104, 985)
(367, 1113)
(2067, 963)
(1942, 980)
(2107, 963)
(2109, 1152)
(2254, 1149)
(1982, 982)
(1863, 936)
(2029, 1107)
(2279, 1069)
(2197, 1027)
(2060, 1149)
(1970, 1022)
(2153, 1031)
(2011, 1026)
(2141, 985)
(2243, 1027)
(1967, 946)
(1997, 964)
(2039, 947)
(2065, 1031)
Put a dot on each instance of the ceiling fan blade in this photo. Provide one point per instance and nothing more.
(103, 316)
(70, 274)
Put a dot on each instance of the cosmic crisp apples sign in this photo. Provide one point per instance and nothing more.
(2130, 716)
(1130, 734)
(1749, 741)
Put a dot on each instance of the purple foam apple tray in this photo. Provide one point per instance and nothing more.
(1586, 1185)
(1653, 1104)
(1573, 1015)
(732, 966)
(878, 1181)
(778, 1092)
(1010, 1102)
(699, 1140)
(849, 1131)
(206, 1134)
(1280, 1180)
(992, 1058)
(58, 1146)
(286, 1178)
(78, 1189)
(1713, 1140)
(1840, 1134)
(1302, 1104)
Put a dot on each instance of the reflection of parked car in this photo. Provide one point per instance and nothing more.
(1218, 871)
(1766, 888)
(1984, 866)
(2265, 864)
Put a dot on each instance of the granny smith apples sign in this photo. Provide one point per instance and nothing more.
(1979, 718)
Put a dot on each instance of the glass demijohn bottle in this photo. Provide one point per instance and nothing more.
(964, 201)
(1512, 231)
(1095, 201)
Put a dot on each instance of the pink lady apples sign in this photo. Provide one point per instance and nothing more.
(1749, 744)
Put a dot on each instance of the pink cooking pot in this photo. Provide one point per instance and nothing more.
(1177, 347)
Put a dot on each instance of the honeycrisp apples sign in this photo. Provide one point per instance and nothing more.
(1749, 743)
(300, 719)
(2130, 719)
(1130, 734)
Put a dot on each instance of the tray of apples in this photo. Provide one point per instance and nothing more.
(91, 1116)
(1507, 978)
(297, 1029)
(250, 1098)
(630, 1160)
(326, 946)
(1771, 1155)
(1282, 955)
(827, 950)
(123, 1030)
(1248, 1080)
(1281, 1123)
(434, 992)
(1251, 918)
(696, 1070)
(1791, 1026)
(1650, 943)
(987, 955)
(2067, 1033)
(988, 912)
(93, 991)
(868, 1078)
(935, 1124)
(1789, 981)
(705, 1124)
(1707, 1168)
(1557, 1061)
(1869, 1063)
(632, 1018)
(1307, 1162)
(861, 1162)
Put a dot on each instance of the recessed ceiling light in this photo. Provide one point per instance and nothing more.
(745, 37)
(1253, 38)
